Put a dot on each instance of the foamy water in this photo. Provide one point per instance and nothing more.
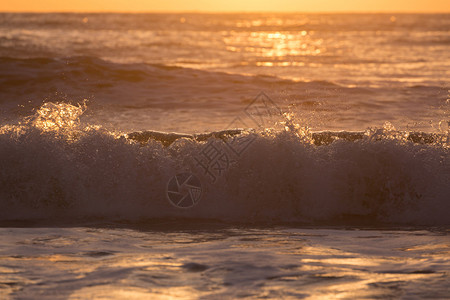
(160, 150)
(60, 170)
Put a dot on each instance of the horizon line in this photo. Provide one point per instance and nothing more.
(220, 12)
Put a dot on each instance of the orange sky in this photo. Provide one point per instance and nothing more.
(227, 5)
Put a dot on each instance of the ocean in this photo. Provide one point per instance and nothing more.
(224, 156)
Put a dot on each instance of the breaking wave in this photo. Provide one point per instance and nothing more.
(54, 168)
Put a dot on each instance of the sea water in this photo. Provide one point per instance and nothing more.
(224, 155)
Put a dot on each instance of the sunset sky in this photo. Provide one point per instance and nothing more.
(228, 5)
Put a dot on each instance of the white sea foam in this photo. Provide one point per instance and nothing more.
(61, 170)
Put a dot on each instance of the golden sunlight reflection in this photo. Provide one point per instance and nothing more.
(127, 292)
(62, 119)
(274, 47)
(344, 261)
(147, 265)
(359, 289)
(56, 116)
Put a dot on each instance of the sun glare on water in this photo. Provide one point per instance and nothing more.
(57, 116)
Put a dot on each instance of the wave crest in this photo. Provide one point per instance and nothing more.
(378, 176)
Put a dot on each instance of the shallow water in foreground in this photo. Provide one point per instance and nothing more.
(226, 263)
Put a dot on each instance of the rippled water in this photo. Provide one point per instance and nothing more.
(287, 263)
(334, 71)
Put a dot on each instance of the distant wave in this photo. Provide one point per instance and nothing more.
(79, 77)
(20, 69)
(53, 168)
(30, 82)
(96, 73)
(146, 89)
